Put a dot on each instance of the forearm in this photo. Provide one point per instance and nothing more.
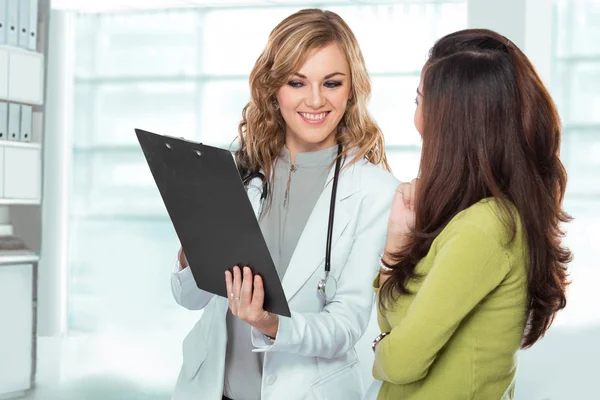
(394, 244)
(314, 334)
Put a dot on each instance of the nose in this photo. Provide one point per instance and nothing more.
(316, 99)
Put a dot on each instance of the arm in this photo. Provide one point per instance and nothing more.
(185, 291)
(469, 265)
(335, 330)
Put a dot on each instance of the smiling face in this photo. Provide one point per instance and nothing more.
(314, 99)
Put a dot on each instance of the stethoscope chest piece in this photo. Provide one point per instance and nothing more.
(327, 287)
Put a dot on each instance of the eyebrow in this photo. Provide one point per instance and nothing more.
(326, 76)
(418, 92)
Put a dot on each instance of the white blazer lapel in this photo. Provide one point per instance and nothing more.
(310, 251)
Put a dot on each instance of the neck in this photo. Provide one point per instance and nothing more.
(296, 147)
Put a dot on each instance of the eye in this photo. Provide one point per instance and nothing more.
(295, 84)
(417, 100)
(333, 84)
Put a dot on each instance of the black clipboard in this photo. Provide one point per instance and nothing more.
(206, 200)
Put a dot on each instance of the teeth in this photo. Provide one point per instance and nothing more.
(314, 117)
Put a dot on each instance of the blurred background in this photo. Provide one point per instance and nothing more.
(107, 326)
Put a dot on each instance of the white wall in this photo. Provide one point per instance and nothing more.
(56, 186)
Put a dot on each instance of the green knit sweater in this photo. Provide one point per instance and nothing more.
(457, 335)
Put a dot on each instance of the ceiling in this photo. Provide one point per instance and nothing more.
(124, 5)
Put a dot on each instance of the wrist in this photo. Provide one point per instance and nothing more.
(386, 257)
(270, 330)
(385, 264)
(183, 264)
(394, 245)
(378, 339)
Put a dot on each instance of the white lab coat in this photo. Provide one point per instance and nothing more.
(313, 356)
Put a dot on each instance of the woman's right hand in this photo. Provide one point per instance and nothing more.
(183, 262)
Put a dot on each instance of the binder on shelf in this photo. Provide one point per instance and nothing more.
(33, 25)
(3, 120)
(3, 20)
(14, 121)
(23, 27)
(26, 118)
(12, 22)
(37, 124)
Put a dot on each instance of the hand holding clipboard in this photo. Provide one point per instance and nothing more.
(211, 213)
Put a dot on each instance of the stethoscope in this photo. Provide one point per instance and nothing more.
(327, 287)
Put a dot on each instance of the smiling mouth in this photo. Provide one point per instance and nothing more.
(314, 117)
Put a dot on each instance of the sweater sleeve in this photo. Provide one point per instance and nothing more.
(468, 265)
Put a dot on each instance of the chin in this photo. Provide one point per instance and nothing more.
(318, 141)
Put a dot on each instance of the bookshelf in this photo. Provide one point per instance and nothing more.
(23, 55)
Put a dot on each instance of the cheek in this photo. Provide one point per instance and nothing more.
(287, 99)
(418, 120)
(340, 99)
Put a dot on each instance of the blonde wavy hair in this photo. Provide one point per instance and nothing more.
(261, 133)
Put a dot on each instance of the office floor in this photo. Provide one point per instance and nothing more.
(560, 367)
(60, 375)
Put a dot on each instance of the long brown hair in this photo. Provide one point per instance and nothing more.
(490, 129)
(261, 133)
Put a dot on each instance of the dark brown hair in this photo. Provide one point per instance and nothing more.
(490, 129)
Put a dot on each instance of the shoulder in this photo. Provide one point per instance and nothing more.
(483, 222)
(374, 189)
(375, 177)
(370, 189)
(485, 215)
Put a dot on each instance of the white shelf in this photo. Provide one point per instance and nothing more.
(23, 145)
(22, 82)
(24, 202)
(15, 257)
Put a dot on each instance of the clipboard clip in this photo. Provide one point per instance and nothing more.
(197, 151)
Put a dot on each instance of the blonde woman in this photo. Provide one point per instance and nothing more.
(314, 164)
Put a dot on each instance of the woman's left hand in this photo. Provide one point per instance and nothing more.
(402, 216)
(400, 224)
(246, 296)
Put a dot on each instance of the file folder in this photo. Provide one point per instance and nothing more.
(14, 121)
(3, 20)
(26, 119)
(23, 39)
(211, 213)
(3, 120)
(33, 25)
(12, 22)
